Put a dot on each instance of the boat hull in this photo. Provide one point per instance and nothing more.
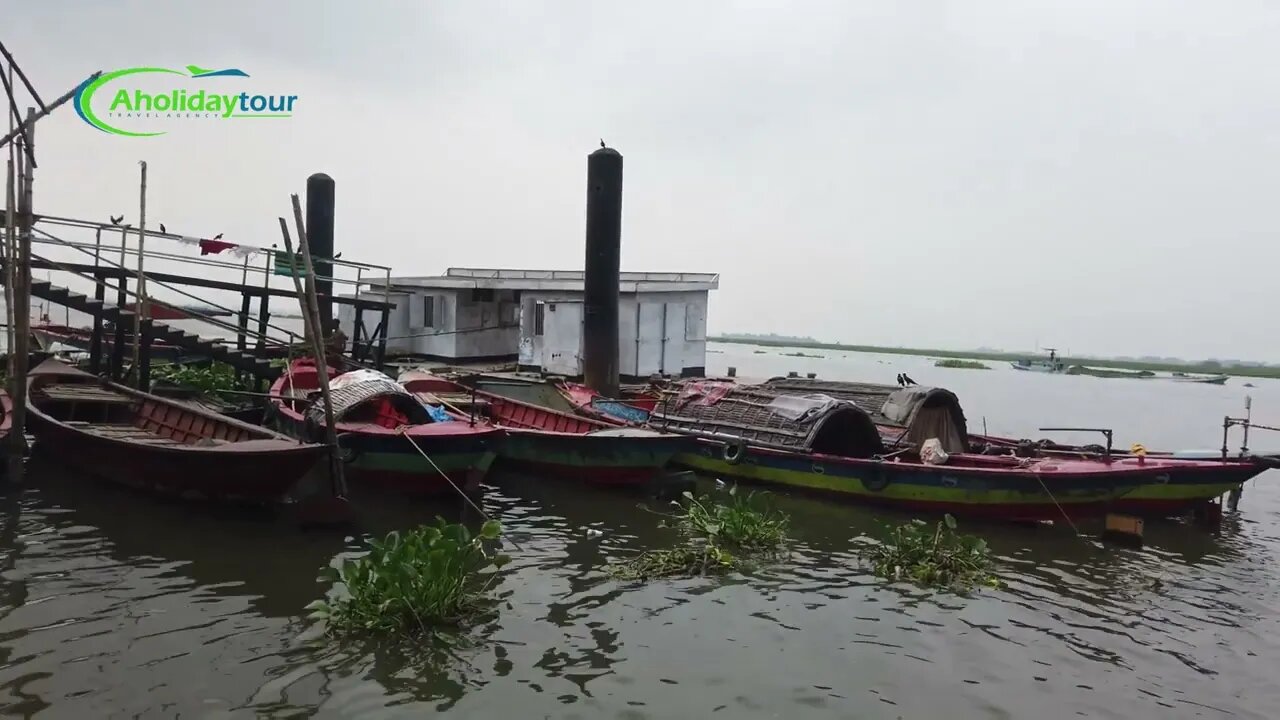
(559, 444)
(1184, 491)
(189, 474)
(389, 461)
(597, 459)
(1003, 496)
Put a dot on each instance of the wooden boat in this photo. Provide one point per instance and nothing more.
(1052, 365)
(1000, 486)
(389, 438)
(908, 416)
(141, 440)
(1110, 372)
(556, 443)
(1206, 379)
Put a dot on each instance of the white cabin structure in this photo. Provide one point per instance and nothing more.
(535, 318)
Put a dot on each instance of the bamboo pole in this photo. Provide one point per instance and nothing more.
(10, 248)
(311, 319)
(31, 120)
(22, 309)
(140, 307)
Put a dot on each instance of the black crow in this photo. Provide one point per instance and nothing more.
(907, 379)
(602, 143)
(218, 236)
(900, 380)
(115, 220)
(166, 232)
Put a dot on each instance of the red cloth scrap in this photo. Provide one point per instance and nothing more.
(213, 247)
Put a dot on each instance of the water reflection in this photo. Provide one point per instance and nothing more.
(117, 603)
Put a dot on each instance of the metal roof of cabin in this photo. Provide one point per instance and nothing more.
(556, 280)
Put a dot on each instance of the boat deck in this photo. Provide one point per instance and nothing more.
(85, 393)
(123, 431)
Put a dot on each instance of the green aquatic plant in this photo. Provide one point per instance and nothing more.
(719, 536)
(934, 557)
(961, 364)
(209, 378)
(411, 581)
(745, 521)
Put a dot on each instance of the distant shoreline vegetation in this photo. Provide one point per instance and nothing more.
(962, 364)
(1211, 367)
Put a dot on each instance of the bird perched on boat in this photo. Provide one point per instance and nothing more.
(166, 232)
(602, 143)
(907, 380)
(901, 382)
(116, 220)
(218, 236)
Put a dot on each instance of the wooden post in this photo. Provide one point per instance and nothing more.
(143, 369)
(11, 272)
(95, 341)
(122, 301)
(22, 306)
(99, 294)
(117, 346)
(140, 307)
(10, 264)
(311, 317)
(382, 341)
(264, 310)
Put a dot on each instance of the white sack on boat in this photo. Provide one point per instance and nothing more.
(931, 452)
(356, 376)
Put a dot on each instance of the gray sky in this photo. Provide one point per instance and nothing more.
(1097, 175)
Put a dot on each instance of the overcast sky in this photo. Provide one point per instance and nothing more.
(1099, 175)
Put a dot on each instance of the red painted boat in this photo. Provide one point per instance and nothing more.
(1155, 485)
(390, 439)
(141, 440)
(557, 443)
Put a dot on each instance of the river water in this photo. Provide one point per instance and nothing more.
(117, 605)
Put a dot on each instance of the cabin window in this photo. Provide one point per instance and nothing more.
(539, 316)
(482, 295)
(429, 311)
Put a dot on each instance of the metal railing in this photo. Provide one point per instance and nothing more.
(101, 254)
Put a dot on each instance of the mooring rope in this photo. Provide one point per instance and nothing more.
(1066, 517)
(452, 484)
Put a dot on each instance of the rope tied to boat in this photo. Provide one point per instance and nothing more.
(1058, 505)
(402, 430)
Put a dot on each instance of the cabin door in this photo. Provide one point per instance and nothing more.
(562, 341)
(672, 338)
(650, 328)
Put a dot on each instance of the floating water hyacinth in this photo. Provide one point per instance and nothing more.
(719, 537)
(934, 557)
(411, 581)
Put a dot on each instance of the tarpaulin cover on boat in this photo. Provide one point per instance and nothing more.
(351, 402)
(758, 414)
(928, 413)
(925, 412)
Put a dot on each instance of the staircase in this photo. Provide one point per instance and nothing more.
(244, 360)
